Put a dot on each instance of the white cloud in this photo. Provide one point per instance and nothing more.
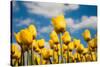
(46, 29)
(49, 9)
(86, 22)
(24, 22)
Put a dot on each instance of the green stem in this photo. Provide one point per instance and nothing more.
(68, 55)
(27, 57)
(61, 48)
(40, 59)
(31, 57)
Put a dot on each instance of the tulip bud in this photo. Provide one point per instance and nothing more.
(41, 43)
(85, 50)
(76, 42)
(34, 44)
(54, 37)
(87, 35)
(64, 47)
(50, 53)
(32, 29)
(51, 44)
(91, 44)
(66, 37)
(70, 46)
(80, 48)
(45, 53)
(17, 37)
(59, 23)
(26, 37)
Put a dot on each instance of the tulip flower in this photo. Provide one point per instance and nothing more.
(15, 54)
(65, 48)
(55, 60)
(59, 23)
(54, 37)
(17, 37)
(51, 44)
(87, 35)
(66, 37)
(70, 48)
(44, 53)
(41, 43)
(76, 43)
(32, 29)
(85, 51)
(26, 37)
(80, 49)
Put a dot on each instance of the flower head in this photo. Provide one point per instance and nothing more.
(26, 36)
(66, 37)
(59, 23)
(54, 37)
(76, 42)
(44, 53)
(87, 35)
(41, 43)
(80, 48)
(51, 44)
(71, 46)
(17, 37)
(32, 29)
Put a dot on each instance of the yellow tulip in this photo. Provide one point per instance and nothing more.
(65, 47)
(17, 37)
(58, 46)
(38, 50)
(26, 37)
(44, 61)
(76, 42)
(50, 53)
(55, 58)
(92, 45)
(33, 30)
(94, 58)
(44, 53)
(71, 46)
(80, 48)
(34, 44)
(87, 35)
(95, 42)
(66, 37)
(54, 37)
(55, 47)
(59, 23)
(41, 43)
(51, 44)
(13, 48)
(16, 53)
(85, 50)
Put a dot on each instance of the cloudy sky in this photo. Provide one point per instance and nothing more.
(78, 18)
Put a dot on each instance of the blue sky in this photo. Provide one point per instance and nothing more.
(78, 18)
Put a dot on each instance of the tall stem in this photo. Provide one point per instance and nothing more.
(40, 59)
(61, 48)
(31, 57)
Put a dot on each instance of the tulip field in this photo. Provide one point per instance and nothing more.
(63, 48)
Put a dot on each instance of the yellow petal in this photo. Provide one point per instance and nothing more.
(32, 29)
